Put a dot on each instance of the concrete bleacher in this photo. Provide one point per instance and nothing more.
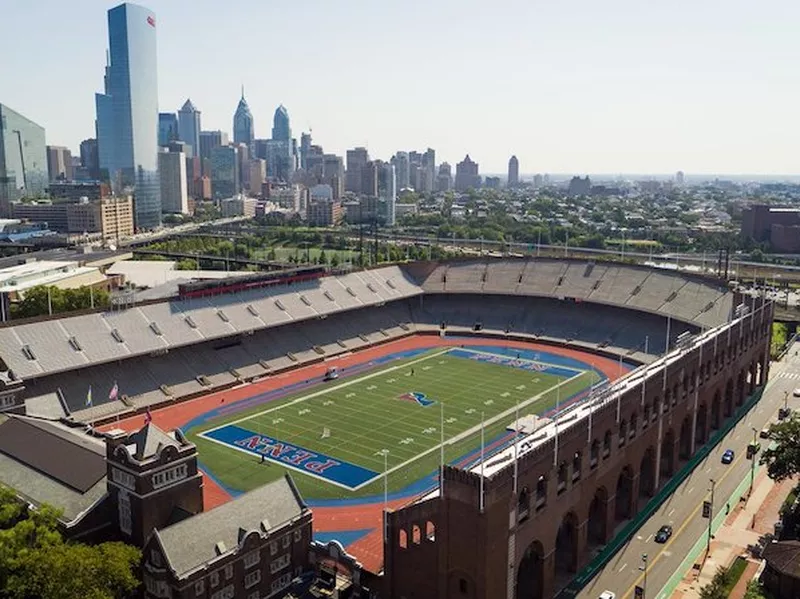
(191, 347)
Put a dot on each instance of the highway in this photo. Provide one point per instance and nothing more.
(683, 509)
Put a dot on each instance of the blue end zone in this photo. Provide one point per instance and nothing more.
(292, 456)
(523, 363)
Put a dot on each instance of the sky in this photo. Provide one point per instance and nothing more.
(568, 86)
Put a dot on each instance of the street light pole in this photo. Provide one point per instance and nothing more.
(710, 518)
(752, 464)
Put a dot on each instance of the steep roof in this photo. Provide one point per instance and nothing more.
(194, 542)
(784, 556)
(149, 440)
(188, 106)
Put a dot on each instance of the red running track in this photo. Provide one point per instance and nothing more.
(369, 549)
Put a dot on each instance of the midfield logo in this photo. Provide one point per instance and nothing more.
(418, 398)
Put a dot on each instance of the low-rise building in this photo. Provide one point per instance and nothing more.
(111, 217)
(324, 213)
(238, 206)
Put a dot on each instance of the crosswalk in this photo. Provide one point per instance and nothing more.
(794, 376)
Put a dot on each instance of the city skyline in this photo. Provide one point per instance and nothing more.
(583, 89)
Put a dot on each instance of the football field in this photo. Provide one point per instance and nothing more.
(339, 437)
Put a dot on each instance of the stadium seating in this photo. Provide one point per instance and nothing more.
(194, 346)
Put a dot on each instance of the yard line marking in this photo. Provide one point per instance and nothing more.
(342, 385)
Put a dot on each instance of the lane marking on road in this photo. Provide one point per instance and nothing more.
(647, 540)
(672, 511)
(623, 567)
(681, 528)
(690, 490)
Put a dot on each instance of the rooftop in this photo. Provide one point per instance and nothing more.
(196, 541)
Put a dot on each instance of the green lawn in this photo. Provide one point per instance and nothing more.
(365, 416)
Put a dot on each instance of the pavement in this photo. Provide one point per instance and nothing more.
(668, 563)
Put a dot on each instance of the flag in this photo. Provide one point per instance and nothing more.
(112, 395)
(89, 397)
(148, 417)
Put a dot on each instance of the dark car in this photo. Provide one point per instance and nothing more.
(663, 534)
(727, 457)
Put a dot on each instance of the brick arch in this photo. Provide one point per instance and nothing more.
(530, 572)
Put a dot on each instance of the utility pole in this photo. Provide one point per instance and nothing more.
(644, 569)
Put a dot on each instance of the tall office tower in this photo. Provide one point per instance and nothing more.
(369, 178)
(224, 172)
(402, 169)
(167, 128)
(357, 159)
(243, 158)
(172, 174)
(389, 193)
(210, 140)
(429, 164)
(23, 159)
(281, 129)
(59, 163)
(305, 146)
(538, 181)
(333, 174)
(89, 159)
(257, 176)
(243, 131)
(513, 172)
(189, 127)
(127, 113)
(467, 176)
(444, 180)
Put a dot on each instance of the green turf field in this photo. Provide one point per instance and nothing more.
(355, 419)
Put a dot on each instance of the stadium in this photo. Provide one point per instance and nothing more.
(554, 394)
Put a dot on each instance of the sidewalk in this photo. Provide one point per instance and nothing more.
(743, 528)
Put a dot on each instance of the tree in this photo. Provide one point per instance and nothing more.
(755, 590)
(717, 588)
(783, 460)
(35, 561)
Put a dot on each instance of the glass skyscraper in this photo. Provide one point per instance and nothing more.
(127, 113)
(23, 159)
(243, 131)
(189, 126)
(281, 130)
(167, 128)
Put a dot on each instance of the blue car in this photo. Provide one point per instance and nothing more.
(727, 457)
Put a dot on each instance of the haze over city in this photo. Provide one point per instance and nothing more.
(581, 87)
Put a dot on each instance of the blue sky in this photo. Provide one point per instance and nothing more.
(608, 86)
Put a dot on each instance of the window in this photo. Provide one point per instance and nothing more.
(199, 587)
(124, 479)
(298, 571)
(462, 585)
(298, 534)
(287, 540)
(273, 548)
(280, 584)
(214, 579)
(253, 578)
(280, 563)
(165, 477)
(157, 588)
(124, 508)
(155, 558)
(228, 571)
(224, 593)
(251, 559)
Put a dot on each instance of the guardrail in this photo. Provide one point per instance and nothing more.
(612, 547)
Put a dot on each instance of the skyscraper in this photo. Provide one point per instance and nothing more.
(444, 181)
(402, 169)
(127, 113)
(210, 140)
(224, 172)
(167, 128)
(23, 159)
(389, 193)
(467, 176)
(281, 129)
(357, 160)
(305, 146)
(513, 172)
(59, 163)
(243, 131)
(172, 174)
(89, 159)
(189, 127)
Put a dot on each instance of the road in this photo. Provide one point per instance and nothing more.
(683, 509)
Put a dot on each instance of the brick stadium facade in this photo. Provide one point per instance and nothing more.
(534, 533)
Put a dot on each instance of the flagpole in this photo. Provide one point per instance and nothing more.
(516, 448)
(482, 465)
(441, 449)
